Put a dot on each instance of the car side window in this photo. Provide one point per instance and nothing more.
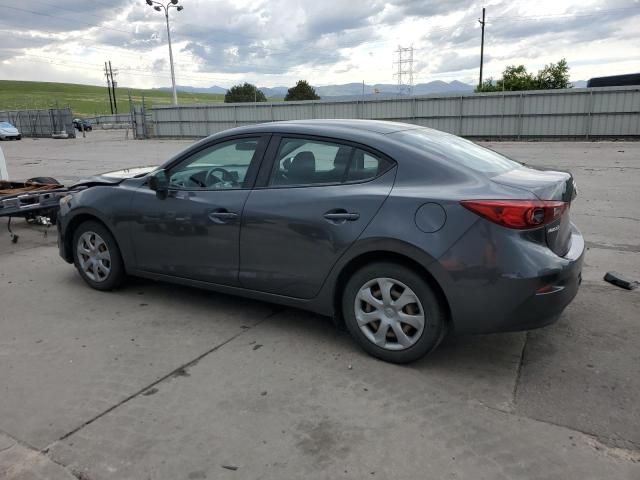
(219, 167)
(302, 162)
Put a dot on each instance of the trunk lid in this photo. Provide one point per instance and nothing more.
(547, 185)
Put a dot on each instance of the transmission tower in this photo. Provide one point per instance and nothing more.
(403, 70)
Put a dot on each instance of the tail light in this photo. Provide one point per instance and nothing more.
(518, 214)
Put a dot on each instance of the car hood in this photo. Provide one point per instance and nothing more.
(116, 177)
(10, 130)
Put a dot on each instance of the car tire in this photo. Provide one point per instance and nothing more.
(97, 257)
(408, 300)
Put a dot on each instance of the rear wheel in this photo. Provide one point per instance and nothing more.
(97, 256)
(392, 312)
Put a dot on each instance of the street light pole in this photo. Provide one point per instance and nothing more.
(160, 7)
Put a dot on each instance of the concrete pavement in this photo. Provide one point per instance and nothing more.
(164, 382)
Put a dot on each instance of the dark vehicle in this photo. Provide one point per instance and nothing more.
(615, 81)
(80, 123)
(401, 232)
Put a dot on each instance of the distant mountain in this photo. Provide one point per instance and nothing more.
(271, 92)
(188, 89)
(350, 90)
(579, 84)
(389, 89)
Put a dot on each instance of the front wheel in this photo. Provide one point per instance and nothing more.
(392, 313)
(97, 257)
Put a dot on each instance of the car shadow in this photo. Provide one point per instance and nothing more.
(481, 351)
(482, 367)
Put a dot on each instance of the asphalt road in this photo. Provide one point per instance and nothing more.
(155, 381)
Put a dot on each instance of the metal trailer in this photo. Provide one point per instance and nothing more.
(38, 203)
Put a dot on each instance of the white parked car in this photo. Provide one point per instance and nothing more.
(9, 132)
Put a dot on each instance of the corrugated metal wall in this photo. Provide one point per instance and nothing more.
(580, 112)
(40, 123)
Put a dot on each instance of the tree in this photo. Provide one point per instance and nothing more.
(302, 91)
(487, 86)
(554, 75)
(245, 92)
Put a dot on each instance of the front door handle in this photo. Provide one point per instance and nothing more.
(341, 216)
(222, 216)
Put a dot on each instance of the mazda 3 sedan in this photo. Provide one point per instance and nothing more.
(399, 232)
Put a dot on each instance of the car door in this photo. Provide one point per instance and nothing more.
(314, 197)
(193, 230)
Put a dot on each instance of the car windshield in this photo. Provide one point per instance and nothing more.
(457, 149)
(5, 125)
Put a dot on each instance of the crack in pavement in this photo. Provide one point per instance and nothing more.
(18, 441)
(630, 449)
(634, 219)
(614, 246)
(519, 370)
(175, 372)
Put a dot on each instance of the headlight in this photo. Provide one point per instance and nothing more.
(65, 200)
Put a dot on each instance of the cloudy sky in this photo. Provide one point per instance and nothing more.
(276, 42)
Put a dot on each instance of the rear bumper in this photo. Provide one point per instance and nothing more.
(531, 293)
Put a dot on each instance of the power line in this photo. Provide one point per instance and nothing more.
(568, 14)
(64, 19)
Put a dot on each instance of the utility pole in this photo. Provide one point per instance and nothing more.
(106, 74)
(482, 22)
(113, 87)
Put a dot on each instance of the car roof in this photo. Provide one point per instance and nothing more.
(329, 126)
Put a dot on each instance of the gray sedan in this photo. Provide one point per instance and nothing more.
(401, 233)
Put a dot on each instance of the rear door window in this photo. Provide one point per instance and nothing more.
(302, 162)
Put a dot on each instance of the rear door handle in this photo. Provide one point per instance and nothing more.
(341, 216)
(222, 216)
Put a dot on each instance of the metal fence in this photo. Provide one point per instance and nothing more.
(109, 119)
(571, 113)
(40, 123)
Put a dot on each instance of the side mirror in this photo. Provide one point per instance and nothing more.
(159, 183)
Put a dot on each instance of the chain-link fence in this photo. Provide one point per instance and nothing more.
(40, 123)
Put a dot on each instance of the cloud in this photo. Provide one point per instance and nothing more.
(58, 15)
(311, 36)
(327, 42)
(454, 62)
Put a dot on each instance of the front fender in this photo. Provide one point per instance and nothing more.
(106, 204)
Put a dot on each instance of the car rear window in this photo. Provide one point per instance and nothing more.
(457, 149)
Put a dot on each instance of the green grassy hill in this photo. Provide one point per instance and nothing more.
(86, 100)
